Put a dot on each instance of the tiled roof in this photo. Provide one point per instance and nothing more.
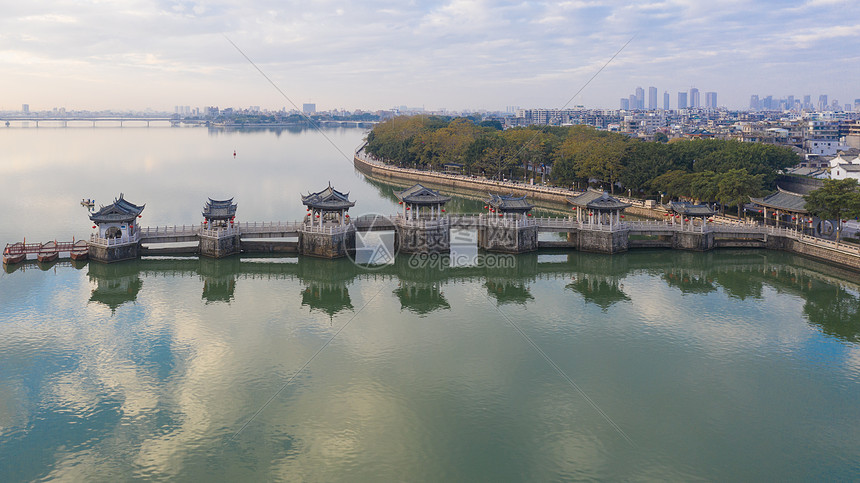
(420, 195)
(597, 200)
(119, 211)
(783, 200)
(219, 209)
(328, 199)
(509, 203)
(689, 209)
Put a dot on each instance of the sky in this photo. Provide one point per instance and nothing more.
(454, 54)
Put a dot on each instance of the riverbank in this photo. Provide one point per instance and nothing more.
(827, 251)
(536, 193)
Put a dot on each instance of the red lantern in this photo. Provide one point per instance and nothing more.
(485, 207)
(400, 203)
(793, 218)
(622, 216)
(347, 216)
(759, 211)
(205, 222)
(528, 214)
(686, 219)
(710, 219)
(591, 214)
(407, 208)
(318, 216)
(94, 226)
(140, 216)
(309, 214)
(574, 208)
(665, 214)
(443, 210)
(501, 215)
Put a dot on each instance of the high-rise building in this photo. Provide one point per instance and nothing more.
(789, 103)
(633, 101)
(857, 105)
(755, 104)
(822, 102)
(652, 98)
(694, 98)
(625, 104)
(666, 100)
(682, 100)
(309, 108)
(640, 98)
(25, 108)
(767, 105)
(711, 100)
(807, 102)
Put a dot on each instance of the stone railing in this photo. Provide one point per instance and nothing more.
(169, 231)
(327, 229)
(110, 242)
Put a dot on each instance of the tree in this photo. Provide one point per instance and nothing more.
(835, 200)
(735, 187)
(661, 138)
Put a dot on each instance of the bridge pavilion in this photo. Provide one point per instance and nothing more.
(509, 206)
(328, 206)
(118, 233)
(598, 208)
(787, 209)
(218, 213)
(419, 202)
(327, 232)
(218, 239)
(508, 228)
(686, 212)
(422, 226)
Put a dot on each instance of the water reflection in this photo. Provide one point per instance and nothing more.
(831, 297)
(603, 291)
(421, 298)
(115, 284)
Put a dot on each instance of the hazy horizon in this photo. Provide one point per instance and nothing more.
(458, 55)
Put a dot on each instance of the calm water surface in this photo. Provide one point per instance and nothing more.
(730, 365)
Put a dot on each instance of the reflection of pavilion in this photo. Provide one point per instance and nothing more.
(116, 284)
(421, 298)
(330, 298)
(219, 279)
(689, 281)
(326, 284)
(507, 290)
(601, 290)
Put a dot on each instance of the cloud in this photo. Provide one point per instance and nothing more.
(386, 53)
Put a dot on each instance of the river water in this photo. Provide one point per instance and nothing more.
(655, 364)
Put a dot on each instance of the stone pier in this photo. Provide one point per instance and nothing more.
(113, 253)
(512, 237)
(220, 244)
(615, 241)
(333, 243)
(419, 236)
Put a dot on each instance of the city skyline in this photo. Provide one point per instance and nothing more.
(460, 55)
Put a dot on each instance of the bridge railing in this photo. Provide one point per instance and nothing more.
(109, 242)
(327, 229)
(268, 226)
(424, 223)
(220, 231)
(169, 231)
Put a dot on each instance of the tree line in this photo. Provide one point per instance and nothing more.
(706, 170)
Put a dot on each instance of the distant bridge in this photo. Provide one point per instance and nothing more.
(63, 121)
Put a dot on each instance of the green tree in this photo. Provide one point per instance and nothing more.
(835, 200)
(735, 187)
